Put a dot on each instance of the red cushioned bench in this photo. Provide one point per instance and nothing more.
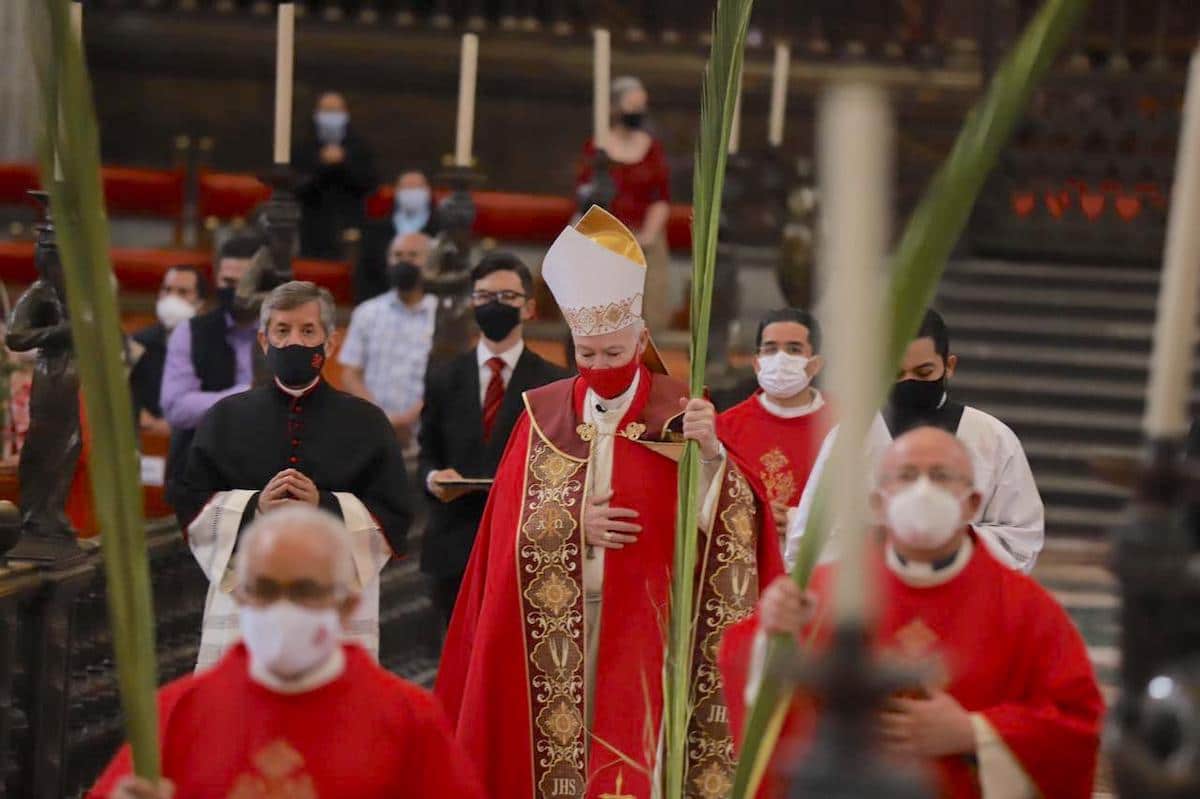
(224, 195)
(127, 190)
(140, 270)
(512, 216)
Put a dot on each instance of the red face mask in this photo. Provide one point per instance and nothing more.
(612, 381)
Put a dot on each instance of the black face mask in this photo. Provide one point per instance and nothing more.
(634, 120)
(917, 395)
(496, 319)
(225, 297)
(227, 300)
(404, 276)
(296, 365)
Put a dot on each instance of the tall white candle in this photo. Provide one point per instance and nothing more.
(285, 49)
(1175, 329)
(735, 130)
(468, 69)
(601, 86)
(77, 19)
(779, 88)
(855, 140)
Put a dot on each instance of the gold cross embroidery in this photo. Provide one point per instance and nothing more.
(618, 794)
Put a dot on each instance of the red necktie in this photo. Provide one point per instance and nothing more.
(493, 397)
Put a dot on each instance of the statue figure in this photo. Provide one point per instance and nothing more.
(50, 455)
(449, 275)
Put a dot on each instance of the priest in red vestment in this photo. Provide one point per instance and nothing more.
(1010, 707)
(552, 671)
(293, 711)
(778, 431)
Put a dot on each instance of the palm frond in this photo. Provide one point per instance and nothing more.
(77, 201)
(919, 262)
(722, 76)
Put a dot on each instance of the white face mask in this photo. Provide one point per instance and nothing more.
(172, 309)
(331, 126)
(413, 201)
(924, 515)
(289, 640)
(783, 376)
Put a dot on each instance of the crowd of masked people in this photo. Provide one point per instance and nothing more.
(293, 495)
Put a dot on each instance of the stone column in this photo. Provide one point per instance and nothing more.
(18, 85)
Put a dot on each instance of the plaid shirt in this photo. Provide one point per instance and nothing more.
(390, 342)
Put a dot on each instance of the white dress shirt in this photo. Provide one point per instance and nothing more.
(510, 358)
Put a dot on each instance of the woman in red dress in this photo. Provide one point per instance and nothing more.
(638, 167)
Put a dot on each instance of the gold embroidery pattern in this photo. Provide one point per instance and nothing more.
(550, 576)
(588, 432)
(778, 478)
(728, 593)
(593, 320)
(280, 775)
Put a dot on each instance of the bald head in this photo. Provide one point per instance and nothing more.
(293, 544)
(411, 247)
(937, 466)
(928, 450)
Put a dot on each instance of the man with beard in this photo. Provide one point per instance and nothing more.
(471, 405)
(552, 671)
(295, 439)
(1011, 518)
(210, 357)
(387, 346)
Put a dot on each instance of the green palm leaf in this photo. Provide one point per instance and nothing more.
(920, 259)
(83, 243)
(722, 76)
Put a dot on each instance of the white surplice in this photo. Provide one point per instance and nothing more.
(1011, 519)
(212, 537)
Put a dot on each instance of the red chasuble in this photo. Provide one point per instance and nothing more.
(780, 451)
(1005, 648)
(513, 676)
(367, 735)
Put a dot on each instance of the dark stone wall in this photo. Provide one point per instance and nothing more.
(156, 77)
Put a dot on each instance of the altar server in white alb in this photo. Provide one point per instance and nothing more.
(294, 440)
(1011, 519)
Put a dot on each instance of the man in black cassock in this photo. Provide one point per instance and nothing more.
(296, 439)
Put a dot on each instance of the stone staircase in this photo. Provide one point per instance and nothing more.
(1061, 354)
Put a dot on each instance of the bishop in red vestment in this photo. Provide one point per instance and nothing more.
(778, 431)
(1011, 709)
(552, 671)
(293, 712)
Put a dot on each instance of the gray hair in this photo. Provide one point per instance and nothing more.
(306, 520)
(293, 295)
(623, 86)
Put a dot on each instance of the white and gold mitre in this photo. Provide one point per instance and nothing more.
(597, 274)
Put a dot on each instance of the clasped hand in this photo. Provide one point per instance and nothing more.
(289, 485)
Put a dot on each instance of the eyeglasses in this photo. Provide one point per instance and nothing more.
(791, 348)
(907, 475)
(482, 297)
(264, 591)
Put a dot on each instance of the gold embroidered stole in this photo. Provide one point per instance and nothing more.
(728, 592)
(550, 580)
